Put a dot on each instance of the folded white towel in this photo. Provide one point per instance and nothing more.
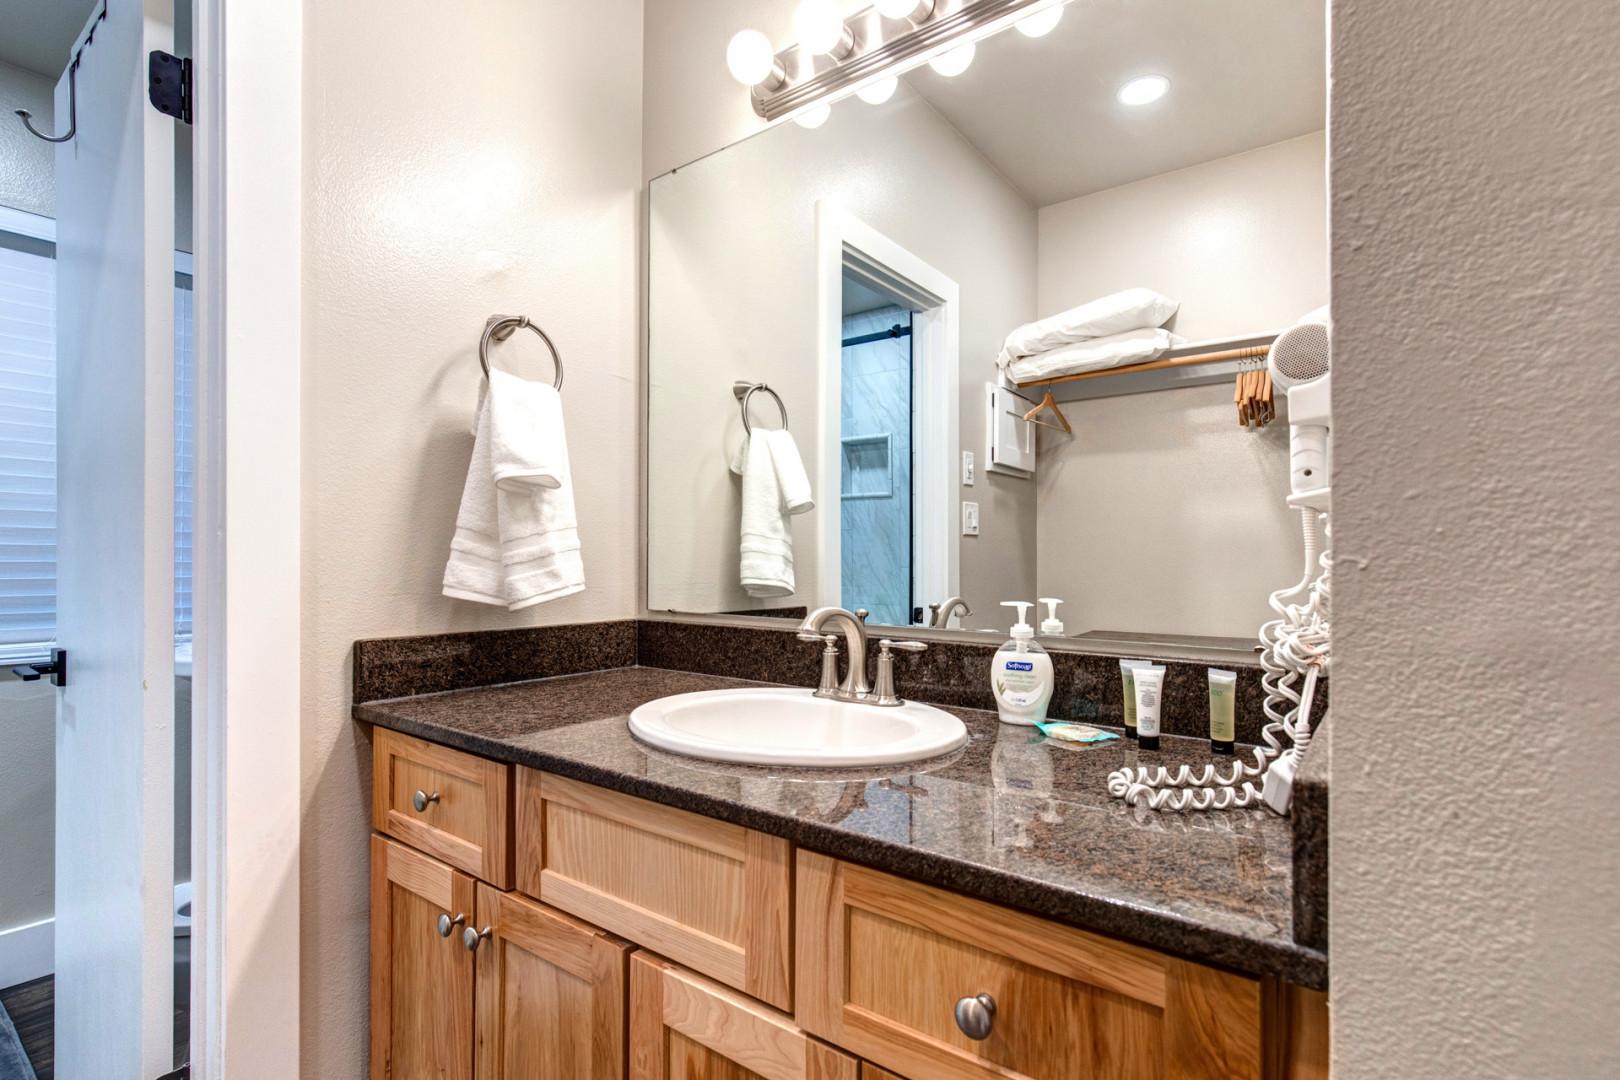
(1116, 350)
(1129, 309)
(517, 539)
(774, 487)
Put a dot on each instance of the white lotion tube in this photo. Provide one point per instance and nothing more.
(1149, 680)
(1125, 669)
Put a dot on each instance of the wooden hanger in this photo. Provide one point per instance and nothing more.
(1049, 402)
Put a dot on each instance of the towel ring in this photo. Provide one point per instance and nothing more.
(745, 391)
(501, 327)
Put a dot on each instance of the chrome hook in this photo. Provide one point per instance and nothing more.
(73, 110)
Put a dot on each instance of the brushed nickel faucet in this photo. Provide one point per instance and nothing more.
(854, 686)
(939, 615)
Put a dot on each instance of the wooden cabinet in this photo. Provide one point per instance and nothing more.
(456, 807)
(685, 1027)
(421, 981)
(712, 896)
(550, 994)
(883, 963)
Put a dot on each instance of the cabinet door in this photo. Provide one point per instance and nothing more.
(421, 981)
(551, 994)
(685, 1027)
(884, 964)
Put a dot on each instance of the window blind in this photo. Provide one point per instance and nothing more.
(27, 452)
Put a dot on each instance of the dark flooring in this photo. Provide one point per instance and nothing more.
(31, 1006)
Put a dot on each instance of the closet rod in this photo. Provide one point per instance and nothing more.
(1250, 352)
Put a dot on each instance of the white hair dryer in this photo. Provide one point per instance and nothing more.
(1299, 363)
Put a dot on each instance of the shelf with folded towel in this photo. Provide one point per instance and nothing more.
(1195, 363)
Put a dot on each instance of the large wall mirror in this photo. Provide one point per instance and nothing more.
(878, 274)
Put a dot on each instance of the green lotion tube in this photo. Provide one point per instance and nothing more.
(1222, 710)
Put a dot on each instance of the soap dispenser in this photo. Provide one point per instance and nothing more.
(1021, 674)
(1051, 626)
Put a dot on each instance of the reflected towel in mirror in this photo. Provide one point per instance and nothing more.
(774, 487)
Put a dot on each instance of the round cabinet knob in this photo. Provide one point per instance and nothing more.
(421, 799)
(976, 1015)
(447, 924)
(472, 938)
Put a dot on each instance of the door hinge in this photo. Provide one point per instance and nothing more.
(168, 84)
(55, 667)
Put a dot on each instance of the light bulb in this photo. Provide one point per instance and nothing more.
(813, 117)
(1041, 23)
(819, 25)
(1143, 90)
(955, 62)
(750, 57)
(877, 93)
(902, 9)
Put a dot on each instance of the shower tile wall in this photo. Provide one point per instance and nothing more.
(875, 526)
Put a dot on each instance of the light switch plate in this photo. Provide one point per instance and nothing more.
(967, 468)
(970, 519)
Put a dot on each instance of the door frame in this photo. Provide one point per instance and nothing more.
(843, 242)
(246, 781)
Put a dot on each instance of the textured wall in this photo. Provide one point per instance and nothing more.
(456, 165)
(1161, 514)
(27, 164)
(1476, 261)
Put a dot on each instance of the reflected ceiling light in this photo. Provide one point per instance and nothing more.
(820, 27)
(1041, 23)
(1143, 90)
(915, 10)
(751, 59)
(955, 62)
(878, 92)
(813, 118)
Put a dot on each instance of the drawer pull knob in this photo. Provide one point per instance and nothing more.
(421, 799)
(472, 938)
(976, 1015)
(447, 924)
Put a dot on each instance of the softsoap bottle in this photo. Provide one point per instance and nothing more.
(1021, 675)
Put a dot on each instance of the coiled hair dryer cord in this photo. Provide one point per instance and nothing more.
(1294, 646)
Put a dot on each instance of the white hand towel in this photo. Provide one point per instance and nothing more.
(774, 487)
(1131, 347)
(1129, 309)
(517, 540)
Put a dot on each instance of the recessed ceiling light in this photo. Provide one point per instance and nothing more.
(1143, 90)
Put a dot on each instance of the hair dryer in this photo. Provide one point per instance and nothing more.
(1299, 363)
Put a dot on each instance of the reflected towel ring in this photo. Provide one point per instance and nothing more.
(501, 327)
(743, 391)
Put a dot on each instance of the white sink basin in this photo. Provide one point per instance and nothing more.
(794, 727)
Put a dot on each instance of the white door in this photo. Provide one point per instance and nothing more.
(115, 606)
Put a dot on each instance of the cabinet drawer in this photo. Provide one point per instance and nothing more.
(882, 963)
(712, 896)
(684, 1027)
(466, 804)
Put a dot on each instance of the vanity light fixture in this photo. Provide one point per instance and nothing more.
(753, 62)
(876, 93)
(862, 54)
(953, 63)
(1143, 90)
(814, 116)
(1041, 23)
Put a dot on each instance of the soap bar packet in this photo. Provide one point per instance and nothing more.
(1064, 731)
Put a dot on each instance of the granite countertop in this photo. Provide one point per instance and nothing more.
(1011, 818)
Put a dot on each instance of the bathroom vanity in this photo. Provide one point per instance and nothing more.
(551, 897)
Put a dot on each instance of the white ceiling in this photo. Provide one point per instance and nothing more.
(1243, 74)
(36, 34)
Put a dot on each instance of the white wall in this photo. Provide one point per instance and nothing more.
(1476, 258)
(456, 165)
(27, 164)
(732, 295)
(1161, 514)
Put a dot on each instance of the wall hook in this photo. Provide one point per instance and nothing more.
(73, 110)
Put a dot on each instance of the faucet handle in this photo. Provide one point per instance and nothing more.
(819, 639)
(828, 686)
(885, 691)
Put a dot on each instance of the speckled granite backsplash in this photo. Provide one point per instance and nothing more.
(949, 673)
